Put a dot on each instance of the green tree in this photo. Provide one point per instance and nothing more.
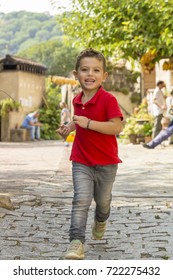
(58, 58)
(128, 29)
(18, 28)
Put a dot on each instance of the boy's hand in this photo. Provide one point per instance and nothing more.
(64, 130)
(81, 121)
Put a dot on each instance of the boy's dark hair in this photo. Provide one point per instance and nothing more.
(90, 53)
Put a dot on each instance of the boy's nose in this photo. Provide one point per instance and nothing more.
(90, 72)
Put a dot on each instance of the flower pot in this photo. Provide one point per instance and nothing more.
(133, 138)
(148, 139)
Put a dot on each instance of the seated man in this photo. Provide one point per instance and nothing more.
(31, 122)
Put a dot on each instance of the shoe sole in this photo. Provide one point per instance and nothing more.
(73, 257)
(97, 238)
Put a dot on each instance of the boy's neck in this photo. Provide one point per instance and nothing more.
(90, 93)
(87, 95)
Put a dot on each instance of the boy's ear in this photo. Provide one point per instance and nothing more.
(105, 76)
(75, 74)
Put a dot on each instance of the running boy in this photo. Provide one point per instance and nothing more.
(97, 119)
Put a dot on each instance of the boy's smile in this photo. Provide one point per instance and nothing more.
(90, 74)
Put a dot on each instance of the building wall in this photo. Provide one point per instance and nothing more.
(27, 88)
(149, 80)
(9, 82)
(11, 121)
(166, 76)
(31, 90)
(125, 103)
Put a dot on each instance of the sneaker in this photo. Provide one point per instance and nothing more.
(75, 251)
(146, 146)
(98, 230)
(66, 144)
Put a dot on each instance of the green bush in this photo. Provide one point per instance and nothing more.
(7, 105)
(50, 113)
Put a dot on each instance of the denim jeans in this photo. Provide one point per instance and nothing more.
(34, 131)
(162, 136)
(90, 182)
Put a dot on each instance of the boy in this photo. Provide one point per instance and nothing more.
(97, 119)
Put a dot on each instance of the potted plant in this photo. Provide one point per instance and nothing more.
(7, 105)
(148, 126)
(129, 129)
(139, 125)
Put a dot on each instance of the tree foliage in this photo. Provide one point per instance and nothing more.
(125, 28)
(21, 30)
(36, 36)
(59, 58)
(50, 112)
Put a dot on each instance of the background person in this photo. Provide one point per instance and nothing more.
(32, 123)
(65, 117)
(167, 125)
(158, 108)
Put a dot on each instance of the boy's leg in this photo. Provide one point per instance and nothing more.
(83, 182)
(103, 190)
(83, 194)
(105, 177)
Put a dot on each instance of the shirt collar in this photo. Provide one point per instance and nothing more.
(92, 100)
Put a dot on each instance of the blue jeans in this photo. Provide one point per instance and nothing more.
(90, 182)
(34, 131)
(162, 136)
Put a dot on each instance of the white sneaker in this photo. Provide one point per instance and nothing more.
(75, 251)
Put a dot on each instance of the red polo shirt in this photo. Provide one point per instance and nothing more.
(91, 147)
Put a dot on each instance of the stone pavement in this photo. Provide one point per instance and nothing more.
(37, 178)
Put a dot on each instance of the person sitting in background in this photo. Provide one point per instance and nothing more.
(32, 123)
(166, 131)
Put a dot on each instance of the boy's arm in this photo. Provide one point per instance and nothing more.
(72, 126)
(110, 127)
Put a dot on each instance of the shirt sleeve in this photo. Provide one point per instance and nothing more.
(113, 109)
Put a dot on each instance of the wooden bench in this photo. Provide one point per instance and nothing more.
(19, 135)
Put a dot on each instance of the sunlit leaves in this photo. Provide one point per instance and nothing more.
(129, 28)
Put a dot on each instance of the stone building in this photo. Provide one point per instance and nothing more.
(22, 80)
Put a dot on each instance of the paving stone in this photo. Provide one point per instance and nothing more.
(141, 221)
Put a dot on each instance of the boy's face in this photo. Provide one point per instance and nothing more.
(90, 74)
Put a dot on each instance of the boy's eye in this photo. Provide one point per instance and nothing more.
(85, 70)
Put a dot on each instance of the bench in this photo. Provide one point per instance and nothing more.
(19, 135)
